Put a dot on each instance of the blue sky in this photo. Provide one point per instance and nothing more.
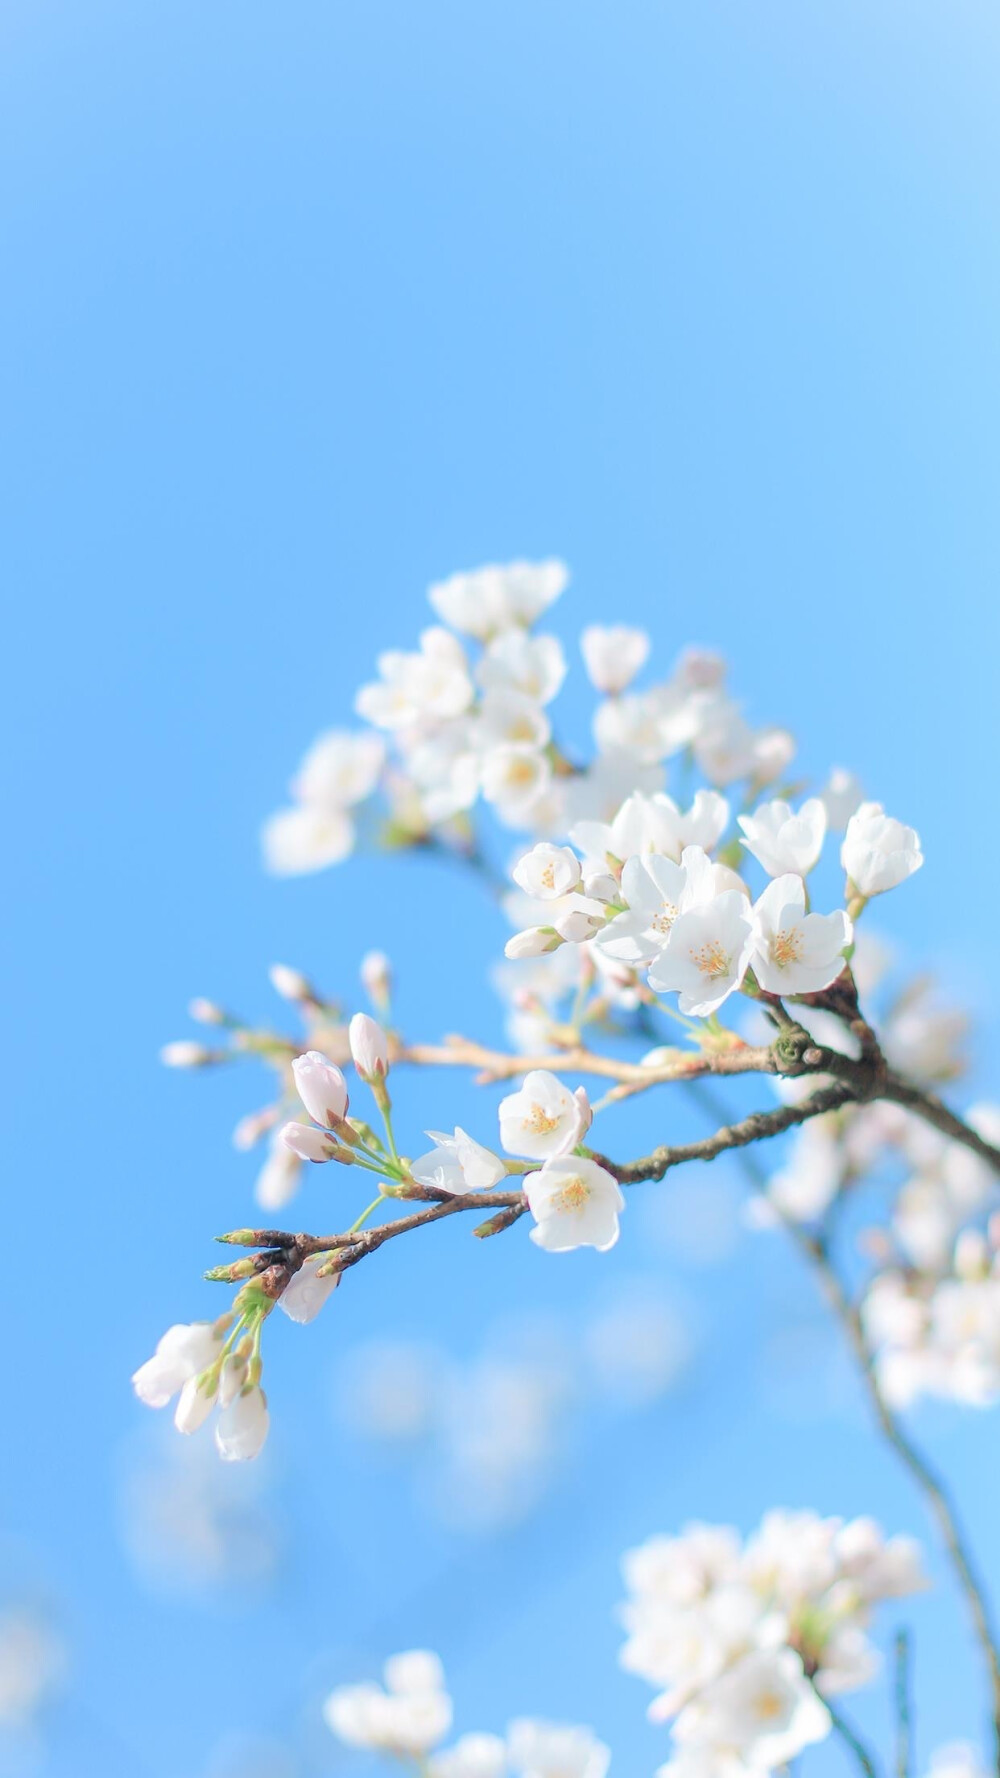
(304, 307)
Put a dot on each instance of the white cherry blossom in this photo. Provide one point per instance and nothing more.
(543, 1119)
(547, 871)
(431, 683)
(303, 1298)
(458, 1163)
(555, 1750)
(879, 852)
(535, 666)
(491, 599)
(795, 952)
(575, 1203)
(472, 1756)
(309, 1143)
(306, 839)
(185, 1350)
(510, 719)
(613, 655)
(408, 1718)
(706, 954)
(340, 769)
(782, 839)
(655, 891)
(514, 779)
(763, 1709)
(369, 1047)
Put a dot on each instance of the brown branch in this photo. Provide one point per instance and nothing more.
(495, 1065)
(758, 1127)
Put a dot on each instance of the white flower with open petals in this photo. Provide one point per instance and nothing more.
(575, 1203)
(642, 824)
(656, 891)
(547, 871)
(785, 841)
(411, 688)
(473, 1756)
(407, 1719)
(705, 822)
(542, 1120)
(304, 1296)
(613, 655)
(340, 769)
(304, 839)
(514, 779)
(763, 1707)
(535, 666)
(555, 1750)
(458, 1164)
(795, 952)
(879, 852)
(185, 1350)
(706, 954)
(487, 600)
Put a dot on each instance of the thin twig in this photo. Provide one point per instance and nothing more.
(904, 1727)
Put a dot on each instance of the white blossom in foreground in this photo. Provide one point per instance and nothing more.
(795, 952)
(543, 1118)
(575, 1203)
(782, 839)
(408, 1717)
(706, 954)
(879, 852)
(555, 1750)
(458, 1163)
(613, 656)
(655, 891)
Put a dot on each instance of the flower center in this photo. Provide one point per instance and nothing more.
(539, 1122)
(548, 877)
(573, 1195)
(769, 1705)
(786, 946)
(712, 960)
(522, 771)
(663, 921)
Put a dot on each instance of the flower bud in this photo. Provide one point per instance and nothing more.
(586, 1113)
(321, 1087)
(311, 1144)
(251, 1128)
(582, 918)
(291, 984)
(376, 979)
(185, 1053)
(534, 941)
(205, 1012)
(194, 1404)
(369, 1047)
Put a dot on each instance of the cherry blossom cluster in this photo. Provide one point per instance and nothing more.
(745, 1640)
(644, 892)
(466, 716)
(410, 1715)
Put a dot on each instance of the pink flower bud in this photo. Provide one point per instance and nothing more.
(369, 1047)
(291, 984)
(321, 1087)
(308, 1143)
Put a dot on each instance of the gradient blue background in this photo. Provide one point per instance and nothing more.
(304, 306)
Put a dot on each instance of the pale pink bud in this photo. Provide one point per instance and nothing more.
(581, 919)
(586, 1113)
(376, 979)
(251, 1128)
(185, 1053)
(534, 941)
(369, 1047)
(291, 984)
(321, 1087)
(193, 1406)
(205, 1012)
(308, 1143)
